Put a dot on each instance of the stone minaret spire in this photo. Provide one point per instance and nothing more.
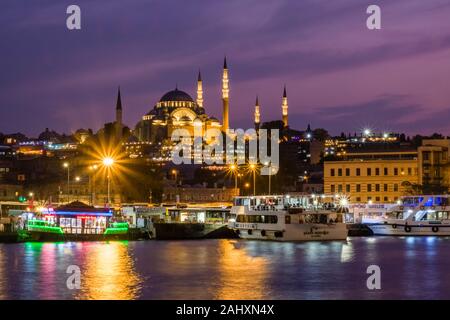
(119, 114)
(199, 90)
(284, 107)
(225, 96)
(257, 115)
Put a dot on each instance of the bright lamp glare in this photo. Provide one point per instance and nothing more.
(108, 161)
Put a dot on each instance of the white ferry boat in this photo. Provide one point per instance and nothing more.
(414, 216)
(287, 218)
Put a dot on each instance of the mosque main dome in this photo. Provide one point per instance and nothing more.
(176, 99)
(176, 95)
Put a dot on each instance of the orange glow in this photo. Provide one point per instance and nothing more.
(110, 274)
(235, 266)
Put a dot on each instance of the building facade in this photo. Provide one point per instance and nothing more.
(434, 164)
(380, 177)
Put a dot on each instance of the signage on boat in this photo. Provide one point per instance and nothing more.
(246, 225)
(314, 231)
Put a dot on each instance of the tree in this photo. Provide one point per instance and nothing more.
(320, 134)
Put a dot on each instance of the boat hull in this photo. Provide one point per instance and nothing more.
(185, 231)
(388, 229)
(298, 232)
(56, 237)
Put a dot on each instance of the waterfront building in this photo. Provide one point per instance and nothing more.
(434, 164)
(10, 192)
(372, 175)
(198, 193)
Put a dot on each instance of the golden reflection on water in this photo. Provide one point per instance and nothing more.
(109, 273)
(242, 276)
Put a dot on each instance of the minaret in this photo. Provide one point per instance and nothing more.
(199, 90)
(225, 96)
(257, 115)
(284, 108)
(119, 114)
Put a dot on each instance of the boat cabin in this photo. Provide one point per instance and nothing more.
(79, 218)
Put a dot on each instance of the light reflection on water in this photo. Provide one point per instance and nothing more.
(234, 267)
(109, 273)
(228, 269)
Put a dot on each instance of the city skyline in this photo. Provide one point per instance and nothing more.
(339, 75)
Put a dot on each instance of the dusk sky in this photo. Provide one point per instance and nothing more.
(339, 75)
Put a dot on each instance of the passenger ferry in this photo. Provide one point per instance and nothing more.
(287, 218)
(414, 216)
(76, 221)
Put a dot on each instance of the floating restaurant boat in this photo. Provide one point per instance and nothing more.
(76, 221)
(414, 216)
(287, 218)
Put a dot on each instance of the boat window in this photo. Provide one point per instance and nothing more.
(437, 201)
(431, 215)
(257, 218)
(429, 202)
(395, 215)
(441, 201)
(442, 215)
(241, 201)
(287, 219)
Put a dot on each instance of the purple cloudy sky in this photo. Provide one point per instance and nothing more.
(339, 75)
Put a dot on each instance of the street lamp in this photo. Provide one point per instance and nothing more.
(108, 162)
(247, 185)
(233, 168)
(252, 167)
(175, 175)
(66, 165)
(271, 169)
(31, 194)
(92, 183)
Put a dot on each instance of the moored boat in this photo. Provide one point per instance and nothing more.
(287, 218)
(425, 215)
(75, 222)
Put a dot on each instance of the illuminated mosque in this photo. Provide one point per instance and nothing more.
(178, 110)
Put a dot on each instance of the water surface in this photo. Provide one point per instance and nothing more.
(411, 268)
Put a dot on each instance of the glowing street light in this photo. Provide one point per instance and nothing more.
(67, 166)
(343, 202)
(234, 169)
(175, 176)
(252, 168)
(77, 179)
(92, 168)
(271, 170)
(108, 163)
